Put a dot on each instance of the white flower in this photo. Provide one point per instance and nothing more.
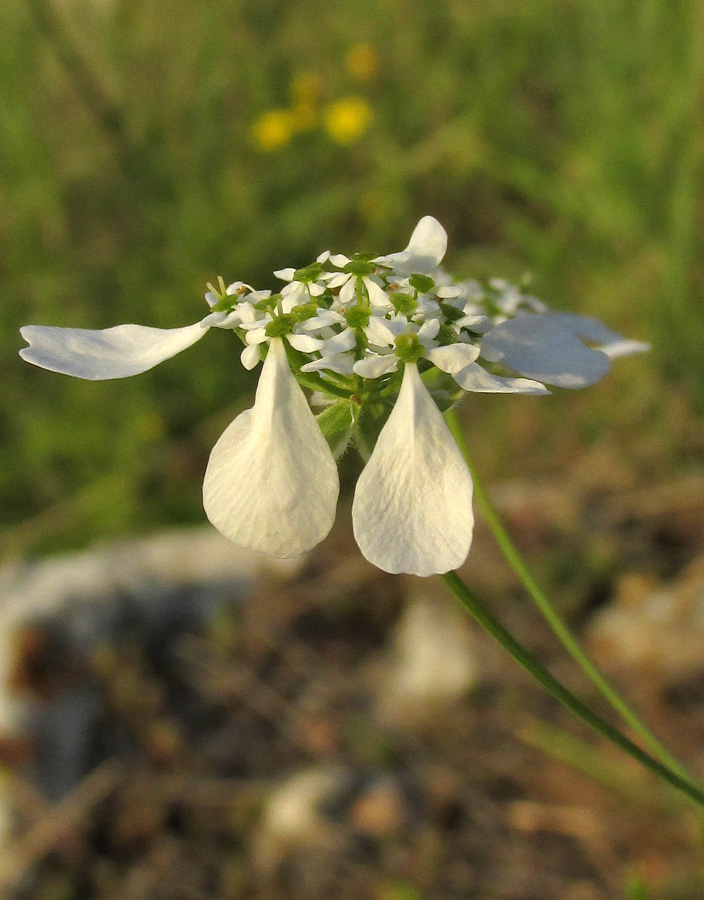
(550, 348)
(271, 482)
(347, 283)
(383, 335)
(412, 509)
(425, 250)
(299, 290)
(397, 337)
(256, 334)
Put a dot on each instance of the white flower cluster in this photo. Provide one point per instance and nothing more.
(384, 342)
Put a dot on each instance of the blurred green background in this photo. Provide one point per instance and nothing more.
(148, 147)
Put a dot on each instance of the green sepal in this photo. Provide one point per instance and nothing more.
(308, 273)
(280, 326)
(359, 265)
(357, 316)
(408, 348)
(446, 335)
(451, 312)
(422, 283)
(403, 304)
(303, 312)
(267, 302)
(337, 424)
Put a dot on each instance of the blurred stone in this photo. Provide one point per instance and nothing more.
(654, 629)
(380, 811)
(63, 606)
(432, 662)
(294, 815)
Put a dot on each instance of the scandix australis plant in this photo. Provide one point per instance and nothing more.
(386, 344)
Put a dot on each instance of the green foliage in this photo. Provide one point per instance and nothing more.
(561, 139)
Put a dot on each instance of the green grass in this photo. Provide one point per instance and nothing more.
(563, 139)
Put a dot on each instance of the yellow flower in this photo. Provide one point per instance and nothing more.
(347, 119)
(273, 129)
(362, 62)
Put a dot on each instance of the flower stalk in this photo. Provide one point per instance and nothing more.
(531, 664)
(558, 625)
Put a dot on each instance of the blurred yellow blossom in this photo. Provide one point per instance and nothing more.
(273, 129)
(347, 119)
(362, 62)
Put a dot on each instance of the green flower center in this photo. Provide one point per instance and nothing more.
(408, 348)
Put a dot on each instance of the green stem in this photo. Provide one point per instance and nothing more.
(532, 665)
(553, 618)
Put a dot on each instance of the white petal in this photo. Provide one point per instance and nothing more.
(293, 295)
(625, 347)
(322, 319)
(224, 320)
(250, 356)
(427, 331)
(348, 291)
(304, 342)
(336, 362)
(377, 295)
(476, 379)
(339, 259)
(412, 509)
(478, 324)
(255, 335)
(249, 314)
(285, 274)
(379, 333)
(271, 482)
(315, 289)
(547, 348)
(424, 252)
(338, 279)
(608, 341)
(452, 358)
(345, 340)
(111, 353)
(376, 366)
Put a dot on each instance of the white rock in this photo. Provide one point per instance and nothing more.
(432, 661)
(293, 817)
(654, 629)
(145, 568)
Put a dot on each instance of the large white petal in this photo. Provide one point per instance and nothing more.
(425, 250)
(412, 509)
(476, 378)
(271, 482)
(111, 353)
(549, 348)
